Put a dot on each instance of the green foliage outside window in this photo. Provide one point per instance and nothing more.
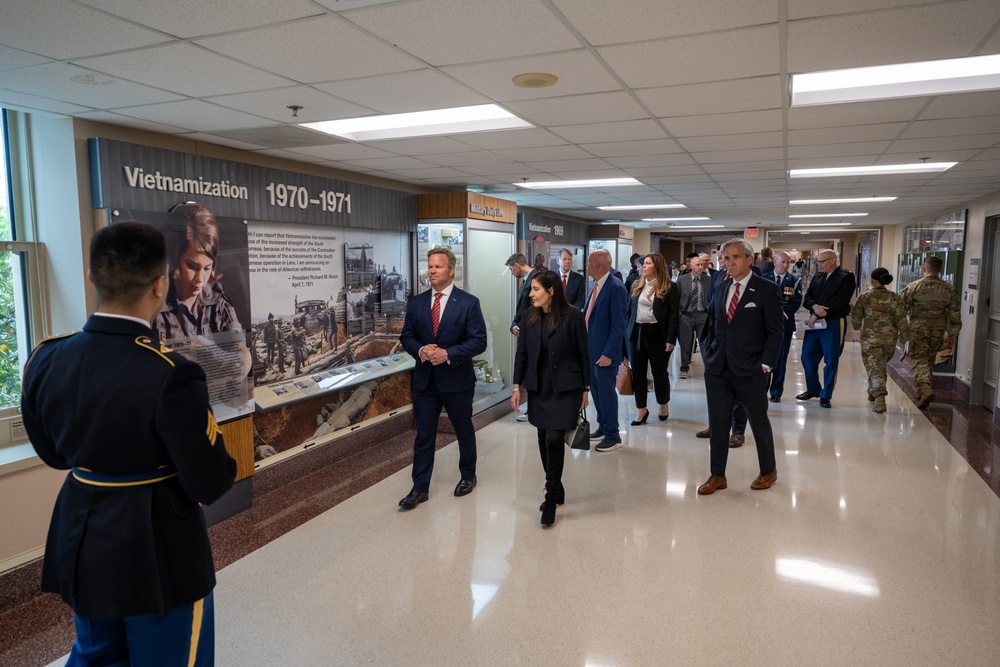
(10, 372)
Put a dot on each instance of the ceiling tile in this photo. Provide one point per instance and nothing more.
(15, 58)
(882, 131)
(834, 150)
(23, 101)
(638, 161)
(342, 152)
(127, 121)
(507, 171)
(189, 18)
(798, 9)
(421, 145)
(578, 71)
(628, 130)
(727, 123)
(732, 141)
(953, 127)
(194, 115)
(733, 167)
(734, 54)
(89, 89)
(593, 108)
(463, 31)
(186, 69)
(941, 144)
(966, 104)
(289, 155)
(739, 156)
(510, 139)
(274, 104)
(63, 30)
(624, 148)
(544, 153)
(927, 32)
(390, 163)
(313, 50)
(466, 158)
(860, 113)
(716, 97)
(416, 90)
(563, 166)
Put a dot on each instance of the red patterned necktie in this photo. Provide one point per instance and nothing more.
(732, 304)
(436, 313)
(564, 282)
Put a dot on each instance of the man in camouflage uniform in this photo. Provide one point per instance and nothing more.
(884, 320)
(933, 309)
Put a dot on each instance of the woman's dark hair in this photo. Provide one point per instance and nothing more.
(550, 282)
(631, 260)
(201, 231)
(881, 275)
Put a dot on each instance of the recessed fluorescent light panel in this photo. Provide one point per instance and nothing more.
(818, 224)
(849, 200)
(672, 219)
(457, 120)
(937, 77)
(640, 207)
(591, 183)
(830, 215)
(873, 170)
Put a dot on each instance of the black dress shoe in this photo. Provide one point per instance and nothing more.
(640, 422)
(412, 499)
(465, 487)
(805, 396)
(824, 402)
(548, 513)
(776, 399)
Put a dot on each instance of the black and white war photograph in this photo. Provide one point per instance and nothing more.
(318, 297)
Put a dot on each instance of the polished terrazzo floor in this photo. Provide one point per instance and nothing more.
(878, 545)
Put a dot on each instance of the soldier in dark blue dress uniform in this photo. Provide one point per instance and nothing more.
(127, 548)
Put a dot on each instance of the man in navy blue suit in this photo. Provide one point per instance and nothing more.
(573, 283)
(606, 316)
(741, 346)
(828, 301)
(443, 331)
(791, 298)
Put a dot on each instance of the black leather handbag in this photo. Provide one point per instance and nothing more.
(580, 438)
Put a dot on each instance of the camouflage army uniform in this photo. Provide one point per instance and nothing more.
(884, 320)
(933, 308)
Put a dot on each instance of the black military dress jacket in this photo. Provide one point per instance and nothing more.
(132, 421)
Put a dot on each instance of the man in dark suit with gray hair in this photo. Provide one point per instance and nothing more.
(741, 345)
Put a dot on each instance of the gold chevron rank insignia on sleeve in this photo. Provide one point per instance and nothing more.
(213, 430)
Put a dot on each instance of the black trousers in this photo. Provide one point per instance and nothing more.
(723, 391)
(553, 450)
(648, 348)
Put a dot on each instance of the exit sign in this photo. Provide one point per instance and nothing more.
(750, 233)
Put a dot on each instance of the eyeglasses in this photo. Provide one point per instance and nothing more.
(825, 260)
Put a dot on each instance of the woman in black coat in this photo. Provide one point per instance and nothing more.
(654, 316)
(553, 364)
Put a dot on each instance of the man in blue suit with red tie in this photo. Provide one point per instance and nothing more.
(444, 330)
(742, 340)
(606, 316)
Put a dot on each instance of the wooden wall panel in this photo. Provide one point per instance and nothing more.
(238, 436)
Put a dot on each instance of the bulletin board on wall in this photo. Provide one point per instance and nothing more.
(287, 288)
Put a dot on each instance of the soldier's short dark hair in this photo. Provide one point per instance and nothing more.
(934, 265)
(125, 259)
(517, 258)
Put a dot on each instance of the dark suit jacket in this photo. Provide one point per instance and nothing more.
(791, 296)
(685, 283)
(753, 337)
(569, 359)
(576, 289)
(110, 400)
(606, 328)
(833, 290)
(665, 311)
(717, 278)
(523, 302)
(461, 332)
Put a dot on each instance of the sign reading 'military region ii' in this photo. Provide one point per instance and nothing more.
(143, 178)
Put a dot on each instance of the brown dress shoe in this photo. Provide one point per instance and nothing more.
(707, 433)
(737, 440)
(713, 484)
(764, 481)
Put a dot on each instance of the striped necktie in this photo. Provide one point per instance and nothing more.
(436, 312)
(733, 302)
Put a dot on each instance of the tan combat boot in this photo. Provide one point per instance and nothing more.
(879, 406)
(926, 396)
(871, 397)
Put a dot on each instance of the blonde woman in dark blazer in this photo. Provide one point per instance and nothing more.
(654, 315)
(553, 364)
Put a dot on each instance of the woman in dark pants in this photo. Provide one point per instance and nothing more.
(654, 316)
(553, 364)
